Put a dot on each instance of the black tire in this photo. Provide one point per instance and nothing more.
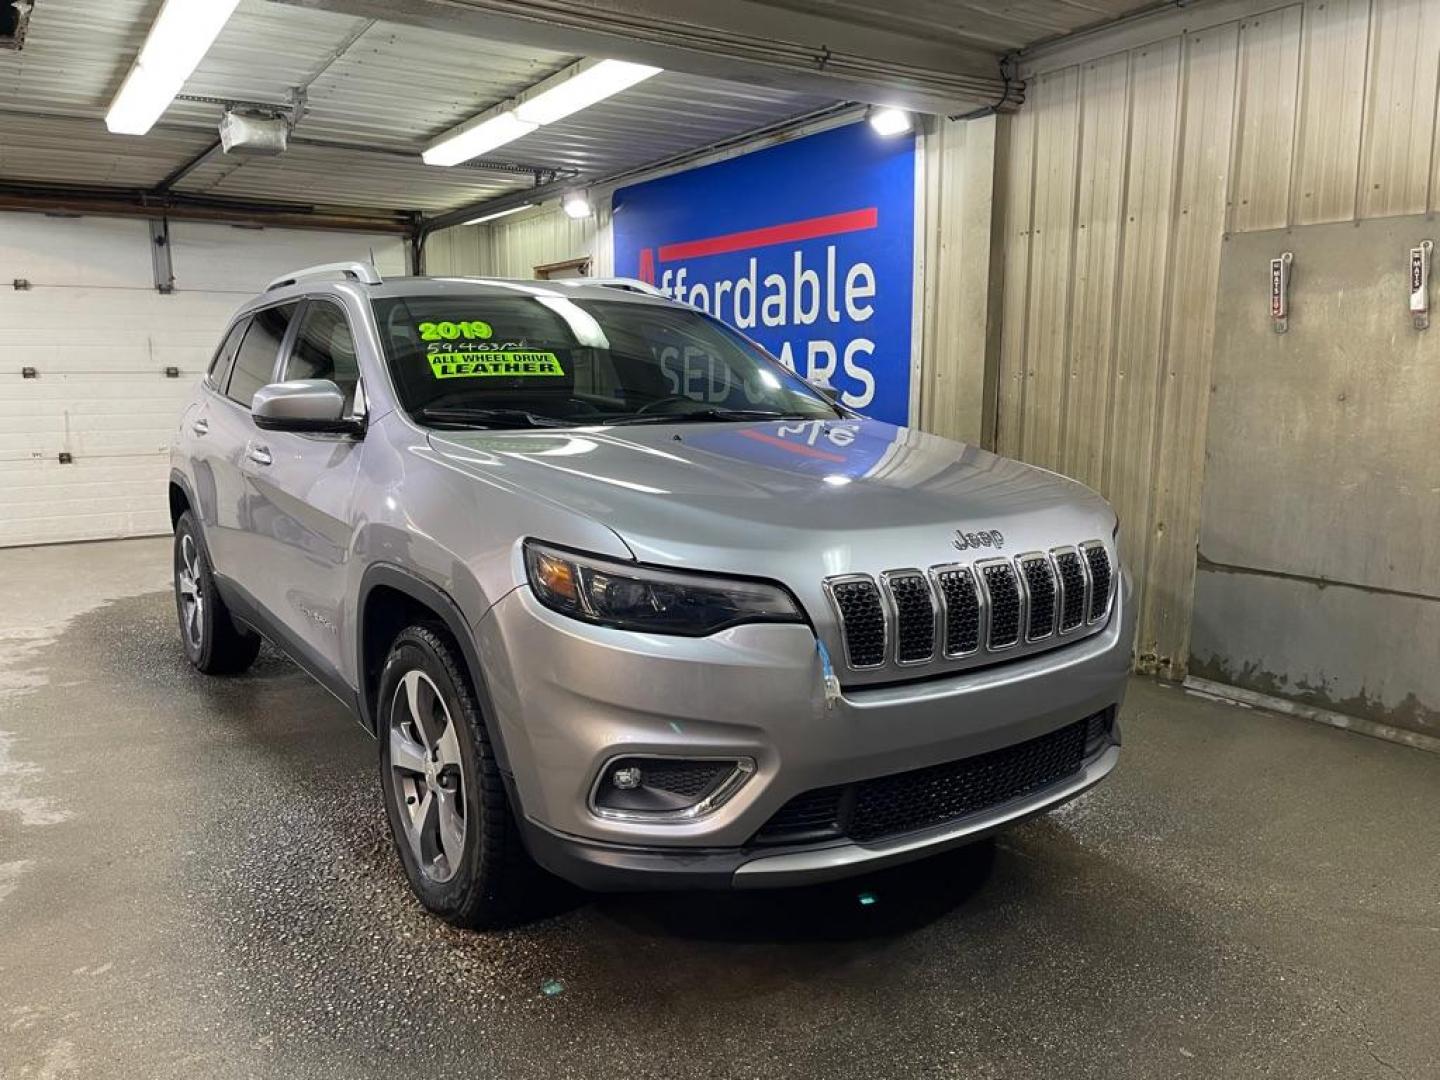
(481, 887)
(214, 644)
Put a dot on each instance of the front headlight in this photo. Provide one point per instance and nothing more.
(656, 601)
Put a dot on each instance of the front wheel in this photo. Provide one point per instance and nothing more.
(444, 797)
(213, 643)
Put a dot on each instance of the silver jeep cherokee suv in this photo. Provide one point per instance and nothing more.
(616, 590)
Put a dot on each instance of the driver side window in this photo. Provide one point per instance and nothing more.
(325, 349)
(255, 362)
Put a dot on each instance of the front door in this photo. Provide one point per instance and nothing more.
(302, 488)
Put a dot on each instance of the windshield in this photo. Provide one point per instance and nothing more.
(548, 360)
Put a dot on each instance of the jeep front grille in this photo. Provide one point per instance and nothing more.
(962, 610)
(1003, 590)
(863, 620)
(1100, 576)
(913, 617)
(1072, 588)
(1040, 584)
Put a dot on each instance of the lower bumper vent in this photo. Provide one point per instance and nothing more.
(889, 806)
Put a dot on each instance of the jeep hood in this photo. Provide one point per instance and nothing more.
(831, 496)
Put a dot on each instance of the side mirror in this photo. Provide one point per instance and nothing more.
(821, 386)
(307, 405)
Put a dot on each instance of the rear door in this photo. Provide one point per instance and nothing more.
(197, 446)
(302, 488)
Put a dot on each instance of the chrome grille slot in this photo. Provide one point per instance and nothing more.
(857, 602)
(1003, 589)
(962, 610)
(1040, 588)
(1072, 588)
(956, 616)
(914, 615)
(1099, 563)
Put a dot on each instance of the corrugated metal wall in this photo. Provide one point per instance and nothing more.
(513, 247)
(1123, 174)
(960, 318)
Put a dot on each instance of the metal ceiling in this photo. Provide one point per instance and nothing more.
(374, 93)
(368, 93)
(1007, 27)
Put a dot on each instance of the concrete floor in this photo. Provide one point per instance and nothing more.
(196, 881)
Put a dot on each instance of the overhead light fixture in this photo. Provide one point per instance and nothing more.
(577, 87)
(581, 90)
(576, 205)
(888, 121)
(178, 40)
(471, 142)
(498, 214)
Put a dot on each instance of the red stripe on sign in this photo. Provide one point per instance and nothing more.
(788, 233)
(785, 444)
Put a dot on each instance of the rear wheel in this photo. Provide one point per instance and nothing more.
(444, 797)
(213, 643)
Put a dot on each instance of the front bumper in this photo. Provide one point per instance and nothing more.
(613, 867)
(569, 696)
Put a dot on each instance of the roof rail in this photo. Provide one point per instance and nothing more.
(627, 284)
(346, 271)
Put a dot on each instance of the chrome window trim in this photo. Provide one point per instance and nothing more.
(724, 791)
(1020, 561)
(1024, 614)
(1055, 553)
(840, 579)
(982, 605)
(893, 614)
(1086, 546)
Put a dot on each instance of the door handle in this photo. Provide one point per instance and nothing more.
(260, 455)
(201, 426)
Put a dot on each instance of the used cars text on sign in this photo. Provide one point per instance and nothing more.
(807, 247)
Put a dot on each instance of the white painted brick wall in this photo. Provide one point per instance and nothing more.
(100, 337)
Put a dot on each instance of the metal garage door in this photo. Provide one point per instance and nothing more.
(86, 403)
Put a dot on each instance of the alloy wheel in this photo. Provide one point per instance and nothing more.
(192, 594)
(428, 781)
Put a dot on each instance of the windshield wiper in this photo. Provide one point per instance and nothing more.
(707, 415)
(490, 418)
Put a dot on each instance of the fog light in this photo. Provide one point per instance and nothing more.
(626, 779)
(666, 788)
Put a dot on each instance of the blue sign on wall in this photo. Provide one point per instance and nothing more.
(807, 247)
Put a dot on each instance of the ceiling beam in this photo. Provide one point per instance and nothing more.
(745, 41)
(139, 202)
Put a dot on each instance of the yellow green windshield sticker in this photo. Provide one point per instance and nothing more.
(469, 329)
(507, 364)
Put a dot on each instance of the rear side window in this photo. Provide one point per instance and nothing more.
(220, 366)
(325, 349)
(255, 362)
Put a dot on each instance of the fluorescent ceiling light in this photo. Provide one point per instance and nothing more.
(471, 142)
(581, 90)
(577, 87)
(498, 214)
(576, 205)
(889, 122)
(179, 39)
